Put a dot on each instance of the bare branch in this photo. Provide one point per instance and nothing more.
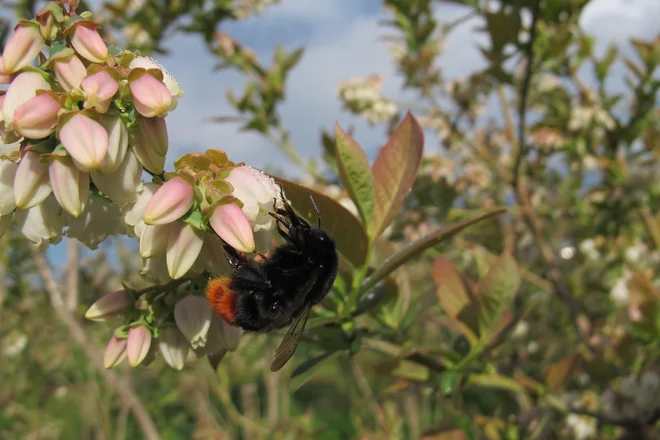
(126, 394)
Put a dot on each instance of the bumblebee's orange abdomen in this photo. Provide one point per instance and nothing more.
(222, 299)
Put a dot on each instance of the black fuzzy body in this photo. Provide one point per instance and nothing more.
(271, 293)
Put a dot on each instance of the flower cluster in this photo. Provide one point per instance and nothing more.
(363, 96)
(81, 126)
(205, 198)
(80, 122)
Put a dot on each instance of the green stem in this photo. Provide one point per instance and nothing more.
(359, 277)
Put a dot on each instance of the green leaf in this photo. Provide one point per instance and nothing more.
(305, 371)
(455, 298)
(355, 173)
(496, 290)
(417, 247)
(496, 381)
(342, 226)
(394, 171)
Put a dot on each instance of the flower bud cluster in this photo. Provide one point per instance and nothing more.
(80, 121)
(206, 197)
(363, 96)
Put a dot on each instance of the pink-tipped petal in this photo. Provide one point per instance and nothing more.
(231, 224)
(36, 119)
(150, 96)
(86, 141)
(88, 43)
(170, 202)
(109, 305)
(115, 352)
(99, 89)
(139, 342)
(69, 72)
(22, 47)
(23, 88)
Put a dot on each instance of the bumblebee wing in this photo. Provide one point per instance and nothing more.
(290, 341)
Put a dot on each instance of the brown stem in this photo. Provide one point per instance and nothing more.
(113, 381)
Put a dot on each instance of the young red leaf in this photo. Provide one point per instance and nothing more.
(355, 173)
(394, 171)
(454, 296)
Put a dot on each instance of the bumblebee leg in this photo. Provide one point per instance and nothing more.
(234, 258)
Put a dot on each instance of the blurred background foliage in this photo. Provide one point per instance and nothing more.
(567, 350)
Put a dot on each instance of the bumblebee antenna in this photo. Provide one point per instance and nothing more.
(318, 214)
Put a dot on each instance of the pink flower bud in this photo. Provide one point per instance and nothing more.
(37, 118)
(109, 305)
(168, 79)
(117, 143)
(170, 202)
(173, 346)
(70, 185)
(7, 176)
(183, 248)
(88, 43)
(153, 240)
(139, 342)
(150, 96)
(22, 47)
(231, 224)
(86, 141)
(31, 185)
(99, 89)
(23, 88)
(5, 77)
(121, 185)
(115, 352)
(193, 317)
(69, 72)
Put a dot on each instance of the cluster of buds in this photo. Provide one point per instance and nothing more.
(79, 126)
(80, 121)
(193, 328)
(207, 198)
(363, 97)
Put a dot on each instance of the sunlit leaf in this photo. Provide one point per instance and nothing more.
(353, 166)
(347, 231)
(394, 171)
(496, 290)
(417, 247)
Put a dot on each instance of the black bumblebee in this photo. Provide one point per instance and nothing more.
(281, 289)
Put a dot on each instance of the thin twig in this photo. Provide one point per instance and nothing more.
(524, 93)
(115, 382)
